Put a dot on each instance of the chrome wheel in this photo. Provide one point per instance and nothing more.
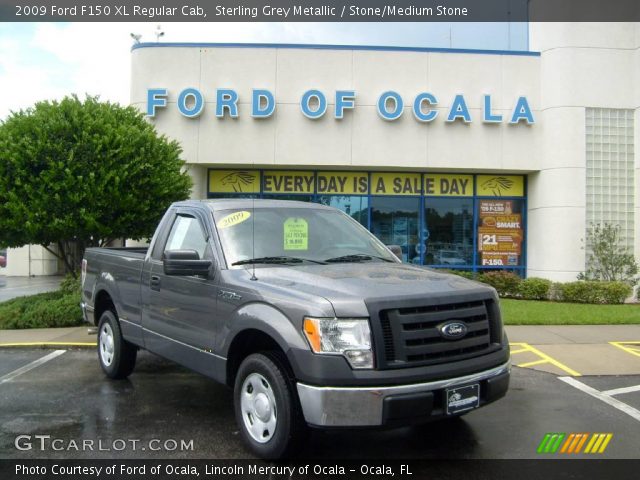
(106, 344)
(258, 405)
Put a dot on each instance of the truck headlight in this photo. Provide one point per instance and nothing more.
(350, 337)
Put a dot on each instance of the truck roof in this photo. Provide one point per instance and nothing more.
(248, 203)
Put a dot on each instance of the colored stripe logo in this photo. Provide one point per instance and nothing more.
(574, 443)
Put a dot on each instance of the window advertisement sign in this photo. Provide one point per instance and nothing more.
(343, 183)
(500, 185)
(500, 233)
(441, 185)
(396, 183)
(275, 181)
(234, 181)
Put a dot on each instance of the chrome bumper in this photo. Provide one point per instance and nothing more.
(363, 406)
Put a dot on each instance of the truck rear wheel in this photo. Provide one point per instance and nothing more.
(266, 407)
(117, 357)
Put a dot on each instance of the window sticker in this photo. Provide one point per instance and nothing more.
(233, 219)
(296, 234)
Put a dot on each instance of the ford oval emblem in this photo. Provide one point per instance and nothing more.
(453, 330)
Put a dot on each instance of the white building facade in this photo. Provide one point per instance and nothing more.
(471, 160)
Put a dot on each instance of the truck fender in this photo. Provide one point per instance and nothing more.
(107, 283)
(268, 320)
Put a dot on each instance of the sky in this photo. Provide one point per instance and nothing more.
(44, 61)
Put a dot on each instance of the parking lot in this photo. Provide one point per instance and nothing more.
(62, 393)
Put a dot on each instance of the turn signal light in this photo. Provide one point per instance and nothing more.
(312, 332)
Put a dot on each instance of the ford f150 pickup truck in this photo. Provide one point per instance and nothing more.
(304, 313)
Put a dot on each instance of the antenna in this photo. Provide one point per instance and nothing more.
(159, 33)
(253, 236)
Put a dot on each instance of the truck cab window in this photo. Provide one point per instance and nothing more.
(186, 234)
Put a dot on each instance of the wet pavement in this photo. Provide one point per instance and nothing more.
(12, 287)
(163, 406)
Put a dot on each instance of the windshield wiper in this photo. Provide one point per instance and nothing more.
(275, 260)
(356, 257)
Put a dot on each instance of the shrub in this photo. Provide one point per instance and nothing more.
(71, 286)
(534, 288)
(506, 283)
(615, 292)
(43, 310)
(607, 257)
(594, 292)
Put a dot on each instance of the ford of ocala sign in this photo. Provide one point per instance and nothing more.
(314, 105)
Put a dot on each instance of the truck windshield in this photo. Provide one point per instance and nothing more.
(295, 236)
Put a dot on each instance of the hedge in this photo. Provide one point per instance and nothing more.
(510, 285)
(44, 310)
(593, 292)
(506, 283)
(534, 288)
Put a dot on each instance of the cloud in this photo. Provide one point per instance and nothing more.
(41, 61)
(52, 60)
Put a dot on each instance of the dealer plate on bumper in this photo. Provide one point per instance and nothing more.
(462, 399)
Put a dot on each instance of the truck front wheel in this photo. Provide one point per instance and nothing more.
(117, 357)
(266, 406)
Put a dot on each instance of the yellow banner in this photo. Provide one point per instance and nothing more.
(234, 181)
(343, 183)
(448, 185)
(274, 181)
(500, 185)
(392, 183)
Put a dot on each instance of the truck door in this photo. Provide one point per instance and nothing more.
(179, 312)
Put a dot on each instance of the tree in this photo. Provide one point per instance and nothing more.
(77, 174)
(607, 258)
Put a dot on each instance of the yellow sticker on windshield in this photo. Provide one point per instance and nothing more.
(296, 234)
(233, 219)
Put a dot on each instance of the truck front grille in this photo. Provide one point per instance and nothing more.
(411, 336)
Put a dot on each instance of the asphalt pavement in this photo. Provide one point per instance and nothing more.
(12, 287)
(186, 415)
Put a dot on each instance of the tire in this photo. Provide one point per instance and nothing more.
(267, 407)
(117, 357)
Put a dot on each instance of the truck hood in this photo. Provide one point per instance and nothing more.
(348, 286)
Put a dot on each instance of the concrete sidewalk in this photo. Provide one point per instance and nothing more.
(562, 350)
(70, 336)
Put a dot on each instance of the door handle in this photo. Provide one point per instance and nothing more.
(154, 284)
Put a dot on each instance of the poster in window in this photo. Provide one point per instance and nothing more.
(500, 234)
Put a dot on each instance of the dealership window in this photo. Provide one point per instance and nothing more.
(356, 206)
(443, 220)
(610, 175)
(448, 232)
(395, 221)
(280, 196)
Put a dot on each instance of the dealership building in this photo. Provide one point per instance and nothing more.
(467, 159)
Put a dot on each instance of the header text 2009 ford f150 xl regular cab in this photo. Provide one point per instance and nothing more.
(304, 313)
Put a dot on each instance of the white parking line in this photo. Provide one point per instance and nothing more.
(620, 391)
(615, 403)
(30, 366)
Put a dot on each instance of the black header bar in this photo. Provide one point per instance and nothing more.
(320, 11)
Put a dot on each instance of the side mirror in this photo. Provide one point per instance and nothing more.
(396, 250)
(185, 262)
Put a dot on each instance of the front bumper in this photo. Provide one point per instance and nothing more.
(398, 404)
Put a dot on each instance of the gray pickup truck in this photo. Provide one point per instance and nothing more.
(304, 313)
